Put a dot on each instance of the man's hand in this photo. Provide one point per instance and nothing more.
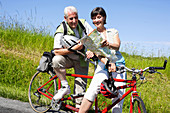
(89, 54)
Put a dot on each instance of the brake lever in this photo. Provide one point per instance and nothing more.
(158, 72)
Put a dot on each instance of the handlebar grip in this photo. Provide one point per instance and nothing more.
(165, 62)
(164, 66)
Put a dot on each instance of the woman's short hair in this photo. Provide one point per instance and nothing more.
(100, 11)
(69, 8)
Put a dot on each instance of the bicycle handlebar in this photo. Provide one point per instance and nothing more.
(121, 69)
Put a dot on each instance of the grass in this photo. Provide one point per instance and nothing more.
(21, 50)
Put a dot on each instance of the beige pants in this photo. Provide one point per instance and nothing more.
(65, 62)
(100, 75)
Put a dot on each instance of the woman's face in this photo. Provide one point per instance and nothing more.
(98, 21)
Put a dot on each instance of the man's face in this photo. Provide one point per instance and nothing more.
(72, 19)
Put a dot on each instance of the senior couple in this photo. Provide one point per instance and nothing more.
(64, 59)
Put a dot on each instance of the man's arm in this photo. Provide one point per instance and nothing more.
(58, 48)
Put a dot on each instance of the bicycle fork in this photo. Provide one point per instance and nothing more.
(134, 93)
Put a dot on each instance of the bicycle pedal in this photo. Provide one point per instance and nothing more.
(37, 94)
(56, 104)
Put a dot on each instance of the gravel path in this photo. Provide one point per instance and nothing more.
(15, 106)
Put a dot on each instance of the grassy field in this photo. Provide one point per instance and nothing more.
(21, 50)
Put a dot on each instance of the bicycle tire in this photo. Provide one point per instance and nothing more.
(39, 102)
(138, 105)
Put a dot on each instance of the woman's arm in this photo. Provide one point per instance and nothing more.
(111, 66)
(116, 43)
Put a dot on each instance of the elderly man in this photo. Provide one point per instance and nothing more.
(64, 59)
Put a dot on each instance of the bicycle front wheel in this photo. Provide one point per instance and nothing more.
(38, 101)
(138, 105)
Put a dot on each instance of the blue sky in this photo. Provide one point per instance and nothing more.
(143, 25)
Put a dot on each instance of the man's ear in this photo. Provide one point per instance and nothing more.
(65, 18)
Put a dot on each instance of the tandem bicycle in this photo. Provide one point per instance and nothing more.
(44, 85)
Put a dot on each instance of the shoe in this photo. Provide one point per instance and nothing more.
(65, 90)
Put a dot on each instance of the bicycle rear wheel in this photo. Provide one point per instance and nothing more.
(138, 105)
(38, 101)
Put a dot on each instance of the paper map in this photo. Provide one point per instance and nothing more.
(93, 43)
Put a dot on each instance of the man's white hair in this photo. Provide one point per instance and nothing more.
(71, 9)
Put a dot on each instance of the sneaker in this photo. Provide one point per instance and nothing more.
(65, 90)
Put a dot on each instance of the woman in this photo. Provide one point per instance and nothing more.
(110, 39)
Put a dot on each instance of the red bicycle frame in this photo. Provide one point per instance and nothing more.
(132, 84)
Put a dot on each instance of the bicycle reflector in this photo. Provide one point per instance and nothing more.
(107, 90)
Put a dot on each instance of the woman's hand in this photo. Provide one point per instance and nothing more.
(104, 43)
(112, 67)
(89, 54)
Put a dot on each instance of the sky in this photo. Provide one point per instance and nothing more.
(143, 25)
